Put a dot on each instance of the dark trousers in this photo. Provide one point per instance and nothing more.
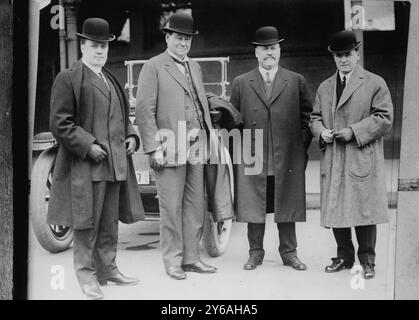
(287, 239)
(366, 237)
(286, 230)
(94, 249)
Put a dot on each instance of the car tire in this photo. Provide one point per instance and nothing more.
(216, 235)
(51, 237)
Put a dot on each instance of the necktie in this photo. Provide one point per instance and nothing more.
(104, 80)
(339, 88)
(268, 79)
(179, 61)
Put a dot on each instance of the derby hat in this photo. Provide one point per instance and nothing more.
(96, 29)
(267, 36)
(343, 41)
(180, 22)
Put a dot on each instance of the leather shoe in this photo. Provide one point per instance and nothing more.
(92, 291)
(176, 272)
(199, 267)
(295, 263)
(369, 271)
(253, 262)
(338, 264)
(119, 279)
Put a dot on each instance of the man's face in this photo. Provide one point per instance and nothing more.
(268, 56)
(347, 61)
(179, 44)
(95, 53)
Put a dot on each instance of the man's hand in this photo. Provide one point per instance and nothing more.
(327, 135)
(96, 153)
(157, 160)
(344, 135)
(130, 145)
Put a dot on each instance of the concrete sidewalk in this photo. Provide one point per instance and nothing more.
(139, 255)
(313, 182)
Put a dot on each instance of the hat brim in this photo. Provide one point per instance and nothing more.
(346, 50)
(193, 33)
(111, 37)
(269, 43)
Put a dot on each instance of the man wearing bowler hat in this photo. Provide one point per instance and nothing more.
(171, 97)
(94, 182)
(275, 100)
(352, 113)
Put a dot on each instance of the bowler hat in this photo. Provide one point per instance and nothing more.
(96, 29)
(180, 22)
(267, 36)
(343, 41)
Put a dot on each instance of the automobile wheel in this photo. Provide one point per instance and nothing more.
(216, 235)
(52, 238)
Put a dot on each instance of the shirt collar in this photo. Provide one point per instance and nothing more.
(93, 68)
(272, 72)
(185, 58)
(347, 76)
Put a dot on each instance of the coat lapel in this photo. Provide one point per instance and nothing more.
(257, 85)
(76, 76)
(331, 92)
(195, 81)
(174, 71)
(100, 85)
(279, 84)
(355, 81)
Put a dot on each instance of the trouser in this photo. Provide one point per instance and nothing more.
(94, 249)
(286, 230)
(366, 237)
(287, 239)
(181, 202)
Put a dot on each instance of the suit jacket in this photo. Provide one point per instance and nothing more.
(162, 97)
(71, 123)
(352, 175)
(288, 113)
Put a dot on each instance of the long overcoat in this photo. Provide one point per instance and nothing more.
(71, 122)
(288, 112)
(352, 175)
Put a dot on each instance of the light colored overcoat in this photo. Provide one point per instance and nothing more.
(162, 100)
(352, 175)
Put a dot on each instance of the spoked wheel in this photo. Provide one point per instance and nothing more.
(216, 235)
(52, 238)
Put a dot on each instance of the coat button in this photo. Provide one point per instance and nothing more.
(255, 109)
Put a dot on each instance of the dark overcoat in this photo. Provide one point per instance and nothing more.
(71, 123)
(352, 175)
(288, 112)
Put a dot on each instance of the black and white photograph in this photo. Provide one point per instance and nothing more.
(209, 150)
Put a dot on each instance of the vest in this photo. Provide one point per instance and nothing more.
(270, 159)
(109, 130)
(193, 108)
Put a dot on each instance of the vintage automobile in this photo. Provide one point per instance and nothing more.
(56, 238)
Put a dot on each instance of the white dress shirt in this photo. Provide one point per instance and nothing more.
(178, 65)
(347, 76)
(96, 70)
(272, 73)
